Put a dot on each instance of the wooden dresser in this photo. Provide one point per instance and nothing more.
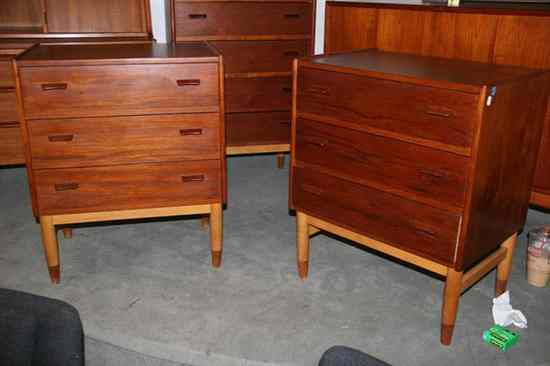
(258, 39)
(121, 132)
(27, 22)
(426, 159)
(509, 34)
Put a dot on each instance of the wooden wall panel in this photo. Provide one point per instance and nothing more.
(20, 13)
(362, 23)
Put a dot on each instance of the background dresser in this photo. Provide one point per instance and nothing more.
(428, 160)
(258, 39)
(121, 132)
(26, 22)
(517, 35)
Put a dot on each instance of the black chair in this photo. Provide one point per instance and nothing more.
(37, 331)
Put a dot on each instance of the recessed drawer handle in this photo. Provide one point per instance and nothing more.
(192, 178)
(61, 138)
(439, 113)
(311, 189)
(189, 82)
(432, 173)
(292, 16)
(191, 132)
(317, 90)
(54, 86)
(198, 16)
(286, 89)
(285, 123)
(316, 141)
(66, 187)
(7, 89)
(292, 53)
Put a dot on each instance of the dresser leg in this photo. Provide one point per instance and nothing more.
(504, 267)
(216, 230)
(280, 161)
(205, 222)
(451, 296)
(67, 232)
(302, 240)
(51, 247)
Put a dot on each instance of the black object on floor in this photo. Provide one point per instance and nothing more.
(345, 356)
(38, 331)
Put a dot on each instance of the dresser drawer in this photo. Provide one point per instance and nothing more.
(241, 18)
(124, 140)
(8, 105)
(261, 56)
(6, 77)
(90, 91)
(410, 170)
(258, 94)
(127, 187)
(415, 227)
(263, 128)
(441, 115)
(11, 147)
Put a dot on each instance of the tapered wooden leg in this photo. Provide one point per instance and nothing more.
(205, 222)
(503, 269)
(67, 232)
(451, 296)
(280, 161)
(51, 247)
(302, 244)
(216, 230)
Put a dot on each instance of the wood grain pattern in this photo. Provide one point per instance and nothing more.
(8, 105)
(340, 23)
(258, 94)
(263, 128)
(11, 147)
(124, 140)
(21, 14)
(6, 77)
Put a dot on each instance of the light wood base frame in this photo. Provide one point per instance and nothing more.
(280, 149)
(456, 282)
(51, 245)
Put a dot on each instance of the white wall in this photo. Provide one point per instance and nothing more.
(159, 11)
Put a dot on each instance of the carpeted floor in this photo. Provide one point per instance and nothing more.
(148, 295)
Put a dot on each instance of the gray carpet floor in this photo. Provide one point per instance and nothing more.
(148, 295)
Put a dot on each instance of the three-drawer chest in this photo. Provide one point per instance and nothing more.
(117, 132)
(428, 160)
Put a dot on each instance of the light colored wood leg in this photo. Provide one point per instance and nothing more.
(205, 222)
(67, 232)
(280, 161)
(51, 247)
(302, 244)
(216, 232)
(451, 297)
(503, 269)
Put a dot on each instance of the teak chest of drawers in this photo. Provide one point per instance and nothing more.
(428, 160)
(121, 132)
(258, 40)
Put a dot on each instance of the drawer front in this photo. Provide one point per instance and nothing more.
(411, 226)
(11, 147)
(247, 18)
(127, 187)
(8, 105)
(440, 115)
(258, 94)
(6, 77)
(407, 169)
(92, 91)
(261, 56)
(263, 128)
(124, 140)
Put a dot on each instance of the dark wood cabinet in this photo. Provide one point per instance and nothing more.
(507, 34)
(258, 39)
(427, 159)
(122, 131)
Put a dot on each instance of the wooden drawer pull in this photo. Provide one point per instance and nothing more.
(439, 113)
(66, 187)
(198, 16)
(318, 90)
(191, 132)
(189, 82)
(292, 16)
(54, 86)
(292, 53)
(192, 178)
(61, 138)
(7, 89)
(311, 189)
(286, 89)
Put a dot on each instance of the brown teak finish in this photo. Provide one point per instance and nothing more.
(427, 159)
(503, 35)
(259, 40)
(125, 132)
